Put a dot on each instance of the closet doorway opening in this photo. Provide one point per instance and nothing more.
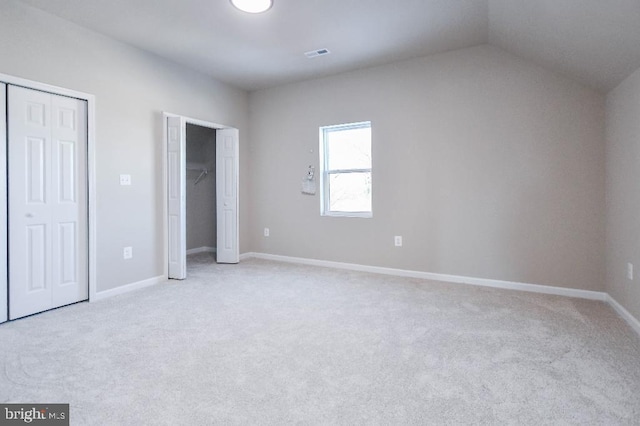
(201, 191)
(201, 170)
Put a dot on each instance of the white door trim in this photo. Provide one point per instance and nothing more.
(165, 176)
(4, 289)
(91, 158)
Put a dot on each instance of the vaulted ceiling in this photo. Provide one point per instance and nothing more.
(595, 42)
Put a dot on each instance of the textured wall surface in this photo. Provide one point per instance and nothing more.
(623, 192)
(488, 166)
(132, 89)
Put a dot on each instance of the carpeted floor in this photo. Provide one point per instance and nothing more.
(273, 343)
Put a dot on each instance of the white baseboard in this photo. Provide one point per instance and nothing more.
(626, 315)
(509, 285)
(201, 250)
(247, 255)
(127, 288)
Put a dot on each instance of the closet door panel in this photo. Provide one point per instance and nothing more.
(69, 201)
(176, 162)
(30, 254)
(227, 164)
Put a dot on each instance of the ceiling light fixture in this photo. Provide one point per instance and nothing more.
(252, 6)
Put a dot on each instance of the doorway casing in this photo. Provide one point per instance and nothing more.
(223, 181)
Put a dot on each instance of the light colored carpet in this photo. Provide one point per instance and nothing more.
(272, 343)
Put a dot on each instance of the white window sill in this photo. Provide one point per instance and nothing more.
(366, 215)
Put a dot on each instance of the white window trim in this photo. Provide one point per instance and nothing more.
(326, 172)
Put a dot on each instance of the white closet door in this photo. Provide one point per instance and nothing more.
(227, 164)
(47, 201)
(176, 176)
(69, 196)
(3, 204)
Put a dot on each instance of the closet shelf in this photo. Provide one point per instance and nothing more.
(196, 166)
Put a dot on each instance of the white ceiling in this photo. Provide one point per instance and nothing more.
(596, 42)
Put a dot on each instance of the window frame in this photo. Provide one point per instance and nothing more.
(326, 172)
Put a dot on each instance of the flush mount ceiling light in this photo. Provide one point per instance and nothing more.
(252, 6)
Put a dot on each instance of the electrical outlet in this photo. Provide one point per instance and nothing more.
(125, 180)
(397, 240)
(630, 271)
(266, 232)
(127, 253)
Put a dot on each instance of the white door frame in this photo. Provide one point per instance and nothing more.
(165, 177)
(4, 288)
(91, 177)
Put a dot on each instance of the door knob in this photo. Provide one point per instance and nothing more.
(28, 215)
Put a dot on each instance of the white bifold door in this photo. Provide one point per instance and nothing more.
(227, 195)
(177, 196)
(47, 197)
(227, 174)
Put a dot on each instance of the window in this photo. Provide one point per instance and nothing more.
(345, 161)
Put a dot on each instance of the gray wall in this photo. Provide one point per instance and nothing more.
(487, 166)
(623, 192)
(132, 88)
(201, 197)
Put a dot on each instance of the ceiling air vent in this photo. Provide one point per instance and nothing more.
(316, 53)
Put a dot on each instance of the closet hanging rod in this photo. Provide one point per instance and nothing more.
(203, 173)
